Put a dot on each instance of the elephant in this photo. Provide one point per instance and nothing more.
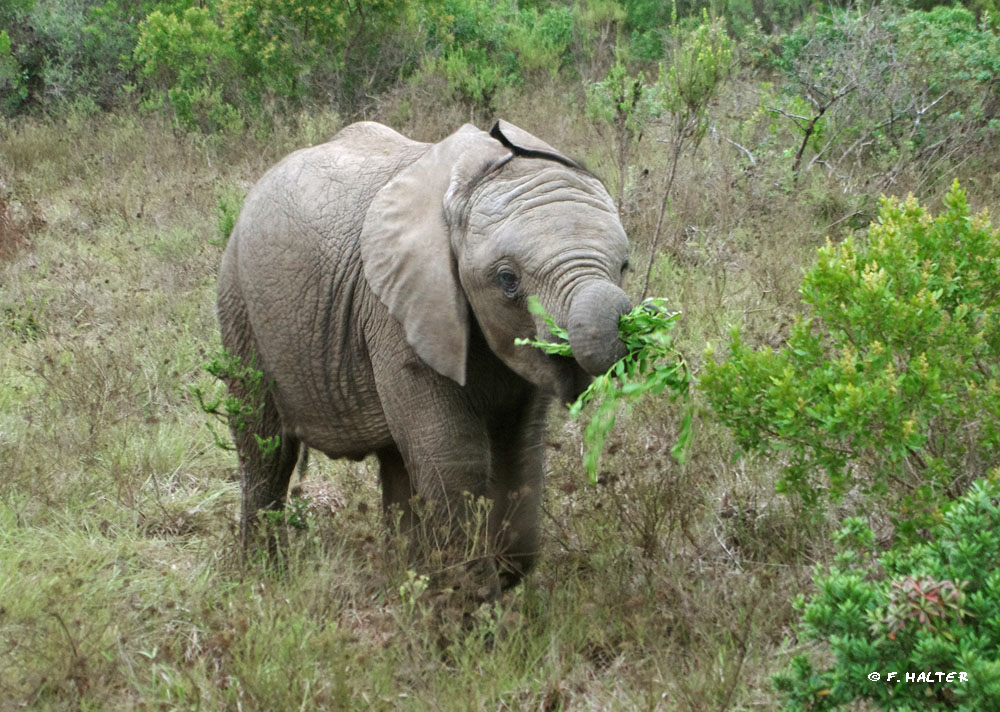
(379, 284)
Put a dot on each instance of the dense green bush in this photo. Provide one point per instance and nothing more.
(12, 80)
(891, 382)
(70, 51)
(257, 52)
(922, 610)
(480, 48)
(190, 58)
(220, 63)
(469, 49)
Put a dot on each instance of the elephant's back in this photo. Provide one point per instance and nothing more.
(332, 183)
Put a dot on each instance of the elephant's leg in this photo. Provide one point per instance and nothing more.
(446, 452)
(265, 472)
(397, 492)
(517, 487)
(451, 521)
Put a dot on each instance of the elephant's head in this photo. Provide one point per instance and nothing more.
(482, 221)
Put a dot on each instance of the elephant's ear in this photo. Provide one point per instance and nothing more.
(406, 248)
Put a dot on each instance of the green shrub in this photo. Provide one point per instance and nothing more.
(228, 207)
(306, 49)
(627, 103)
(232, 411)
(220, 64)
(541, 41)
(190, 58)
(481, 47)
(897, 91)
(890, 383)
(69, 52)
(24, 320)
(12, 79)
(645, 22)
(922, 610)
(468, 43)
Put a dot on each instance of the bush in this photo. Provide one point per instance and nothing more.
(220, 64)
(891, 382)
(933, 608)
(12, 84)
(69, 51)
(541, 40)
(299, 49)
(468, 43)
(891, 93)
(190, 59)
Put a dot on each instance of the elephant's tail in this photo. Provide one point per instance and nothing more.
(303, 465)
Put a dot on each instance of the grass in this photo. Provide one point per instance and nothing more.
(663, 586)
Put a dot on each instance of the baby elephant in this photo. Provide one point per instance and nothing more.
(379, 283)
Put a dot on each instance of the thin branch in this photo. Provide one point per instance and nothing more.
(746, 152)
(678, 146)
(782, 112)
(69, 636)
(921, 112)
(807, 134)
(850, 215)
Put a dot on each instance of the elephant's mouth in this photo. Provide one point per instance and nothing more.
(572, 379)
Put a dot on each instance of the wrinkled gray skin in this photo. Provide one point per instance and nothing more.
(380, 283)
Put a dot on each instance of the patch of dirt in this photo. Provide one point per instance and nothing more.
(323, 497)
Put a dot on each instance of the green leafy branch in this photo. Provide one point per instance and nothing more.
(651, 366)
(230, 410)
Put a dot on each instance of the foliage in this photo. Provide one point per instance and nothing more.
(933, 607)
(468, 41)
(298, 48)
(228, 207)
(911, 90)
(191, 59)
(262, 55)
(222, 62)
(12, 79)
(296, 514)
(234, 412)
(480, 48)
(627, 103)
(541, 40)
(697, 63)
(71, 51)
(890, 383)
(25, 320)
(651, 365)
(621, 99)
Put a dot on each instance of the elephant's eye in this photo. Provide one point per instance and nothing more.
(509, 282)
(625, 266)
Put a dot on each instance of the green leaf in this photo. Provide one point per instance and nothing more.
(651, 365)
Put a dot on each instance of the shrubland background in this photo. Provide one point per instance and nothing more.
(737, 137)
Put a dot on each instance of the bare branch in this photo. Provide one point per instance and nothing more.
(782, 112)
(746, 152)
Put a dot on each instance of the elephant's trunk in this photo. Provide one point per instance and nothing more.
(594, 314)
